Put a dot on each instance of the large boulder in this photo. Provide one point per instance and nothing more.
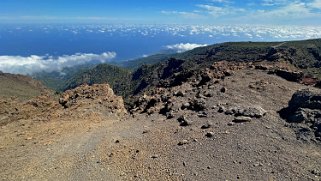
(304, 113)
(294, 76)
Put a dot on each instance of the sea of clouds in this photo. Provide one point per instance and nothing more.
(33, 64)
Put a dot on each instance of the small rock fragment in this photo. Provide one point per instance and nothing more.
(183, 142)
(184, 121)
(154, 156)
(223, 90)
(186, 105)
(179, 94)
(242, 119)
(209, 134)
(202, 114)
(206, 126)
(221, 109)
(231, 124)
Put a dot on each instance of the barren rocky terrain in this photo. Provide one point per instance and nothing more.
(222, 123)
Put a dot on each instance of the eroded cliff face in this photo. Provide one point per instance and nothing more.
(78, 103)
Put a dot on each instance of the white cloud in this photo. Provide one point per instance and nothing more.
(188, 15)
(297, 12)
(296, 9)
(220, 1)
(34, 63)
(315, 4)
(294, 12)
(218, 11)
(274, 2)
(181, 47)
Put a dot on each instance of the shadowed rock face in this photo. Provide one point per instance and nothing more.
(304, 114)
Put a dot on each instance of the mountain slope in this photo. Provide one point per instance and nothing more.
(117, 77)
(152, 59)
(297, 55)
(224, 128)
(304, 55)
(19, 86)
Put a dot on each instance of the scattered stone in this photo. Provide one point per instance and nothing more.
(223, 90)
(179, 94)
(154, 156)
(209, 134)
(202, 114)
(186, 105)
(145, 131)
(206, 126)
(29, 138)
(169, 115)
(183, 142)
(205, 77)
(257, 164)
(253, 112)
(208, 94)
(221, 109)
(197, 105)
(184, 121)
(316, 172)
(242, 119)
(231, 124)
(200, 95)
(229, 112)
(166, 110)
(151, 111)
(228, 73)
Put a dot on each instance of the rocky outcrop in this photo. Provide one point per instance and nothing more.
(304, 114)
(99, 96)
(294, 76)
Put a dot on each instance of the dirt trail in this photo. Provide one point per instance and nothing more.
(63, 150)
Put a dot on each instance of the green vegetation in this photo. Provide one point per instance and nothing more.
(116, 77)
(150, 60)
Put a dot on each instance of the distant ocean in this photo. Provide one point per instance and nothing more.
(27, 49)
(132, 41)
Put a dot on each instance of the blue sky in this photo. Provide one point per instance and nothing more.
(279, 12)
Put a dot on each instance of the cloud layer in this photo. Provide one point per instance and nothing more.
(298, 12)
(181, 47)
(34, 63)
